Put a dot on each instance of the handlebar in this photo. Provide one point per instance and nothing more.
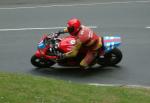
(55, 35)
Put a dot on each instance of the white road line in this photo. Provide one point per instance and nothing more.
(48, 28)
(148, 27)
(142, 1)
(87, 4)
(120, 85)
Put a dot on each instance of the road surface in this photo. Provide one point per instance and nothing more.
(22, 27)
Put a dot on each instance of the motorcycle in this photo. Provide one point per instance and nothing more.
(51, 46)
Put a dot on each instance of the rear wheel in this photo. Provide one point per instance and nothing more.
(41, 63)
(111, 58)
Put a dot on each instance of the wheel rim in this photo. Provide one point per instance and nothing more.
(113, 57)
(39, 61)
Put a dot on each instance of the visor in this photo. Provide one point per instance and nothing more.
(70, 29)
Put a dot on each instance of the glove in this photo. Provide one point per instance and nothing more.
(61, 56)
(60, 32)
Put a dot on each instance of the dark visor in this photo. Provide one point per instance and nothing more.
(70, 29)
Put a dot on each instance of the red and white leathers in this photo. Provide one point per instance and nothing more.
(87, 38)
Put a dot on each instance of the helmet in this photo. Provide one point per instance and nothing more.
(73, 26)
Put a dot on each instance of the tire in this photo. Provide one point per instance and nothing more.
(111, 58)
(41, 63)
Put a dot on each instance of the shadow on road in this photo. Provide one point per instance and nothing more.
(73, 72)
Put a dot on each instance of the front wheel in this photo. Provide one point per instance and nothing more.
(111, 58)
(41, 63)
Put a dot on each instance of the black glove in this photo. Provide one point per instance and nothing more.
(60, 32)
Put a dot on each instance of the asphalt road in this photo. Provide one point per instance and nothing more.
(129, 20)
(37, 2)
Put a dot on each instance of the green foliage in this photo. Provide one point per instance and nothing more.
(17, 88)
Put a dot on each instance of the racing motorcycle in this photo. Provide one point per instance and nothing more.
(51, 46)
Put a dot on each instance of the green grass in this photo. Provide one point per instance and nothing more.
(21, 88)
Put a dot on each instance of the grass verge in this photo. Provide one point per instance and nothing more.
(21, 88)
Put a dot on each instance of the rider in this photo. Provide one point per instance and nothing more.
(85, 37)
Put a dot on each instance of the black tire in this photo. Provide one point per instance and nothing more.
(111, 58)
(40, 63)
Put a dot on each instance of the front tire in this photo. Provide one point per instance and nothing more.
(41, 63)
(111, 58)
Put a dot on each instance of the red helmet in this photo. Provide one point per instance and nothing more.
(73, 26)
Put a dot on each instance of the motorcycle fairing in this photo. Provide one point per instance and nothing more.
(67, 44)
(41, 45)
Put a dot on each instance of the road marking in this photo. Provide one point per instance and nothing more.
(87, 4)
(148, 27)
(143, 1)
(120, 85)
(48, 28)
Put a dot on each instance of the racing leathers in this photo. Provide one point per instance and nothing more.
(87, 38)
